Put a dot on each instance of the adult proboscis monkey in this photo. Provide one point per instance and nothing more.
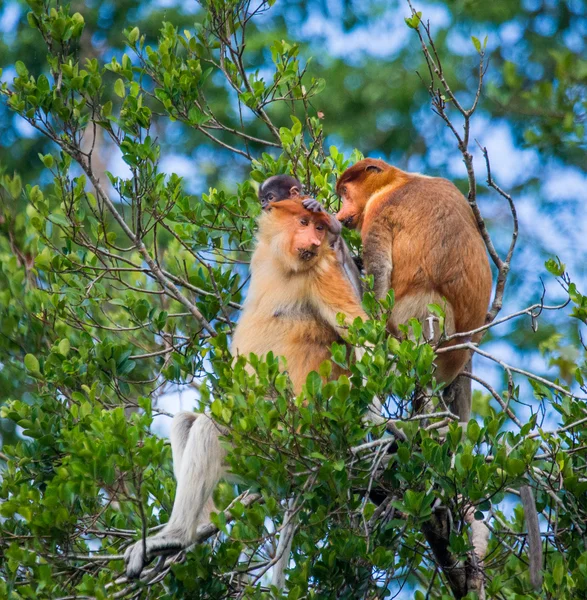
(297, 289)
(420, 238)
(285, 187)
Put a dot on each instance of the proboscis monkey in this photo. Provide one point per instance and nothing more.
(297, 288)
(420, 239)
(285, 187)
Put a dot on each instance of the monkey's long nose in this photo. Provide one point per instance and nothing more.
(342, 218)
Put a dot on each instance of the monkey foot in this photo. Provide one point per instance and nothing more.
(135, 560)
(159, 545)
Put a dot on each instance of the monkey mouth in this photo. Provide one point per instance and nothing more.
(306, 254)
(349, 222)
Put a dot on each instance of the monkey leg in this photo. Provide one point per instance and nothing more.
(179, 435)
(378, 261)
(458, 395)
(195, 442)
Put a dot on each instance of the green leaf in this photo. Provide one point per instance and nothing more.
(326, 369)
(404, 454)
(134, 34)
(414, 21)
(31, 363)
(416, 328)
(313, 383)
(555, 266)
(59, 219)
(117, 302)
(473, 431)
(558, 570)
(21, 69)
(119, 88)
(14, 186)
(64, 347)
(47, 160)
(318, 455)
(515, 467)
(476, 43)
(286, 136)
(466, 461)
(197, 117)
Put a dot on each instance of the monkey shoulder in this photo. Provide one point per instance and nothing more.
(423, 192)
(423, 206)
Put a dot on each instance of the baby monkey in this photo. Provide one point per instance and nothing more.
(286, 187)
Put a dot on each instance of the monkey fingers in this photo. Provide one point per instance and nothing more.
(313, 205)
(135, 558)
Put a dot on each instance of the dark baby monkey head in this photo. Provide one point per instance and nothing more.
(277, 188)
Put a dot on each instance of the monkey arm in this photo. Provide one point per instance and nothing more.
(334, 294)
(314, 206)
(335, 226)
(349, 266)
(337, 243)
(378, 260)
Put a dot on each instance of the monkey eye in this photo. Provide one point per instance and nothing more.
(320, 227)
(304, 222)
(270, 196)
(344, 189)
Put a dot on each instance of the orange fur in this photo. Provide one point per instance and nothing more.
(292, 303)
(420, 239)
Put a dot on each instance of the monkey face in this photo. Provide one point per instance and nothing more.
(308, 236)
(296, 235)
(350, 211)
(277, 188)
(356, 185)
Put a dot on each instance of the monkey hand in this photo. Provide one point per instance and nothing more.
(314, 206)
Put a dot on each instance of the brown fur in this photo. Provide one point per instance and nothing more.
(420, 239)
(291, 304)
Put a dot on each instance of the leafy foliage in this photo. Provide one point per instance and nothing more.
(116, 289)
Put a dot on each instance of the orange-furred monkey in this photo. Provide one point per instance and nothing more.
(420, 239)
(286, 187)
(297, 288)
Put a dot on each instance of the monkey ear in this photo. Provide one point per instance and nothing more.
(294, 191)
(374, 168)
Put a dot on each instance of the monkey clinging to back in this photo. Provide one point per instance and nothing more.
(420, 238)
(284, 187)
